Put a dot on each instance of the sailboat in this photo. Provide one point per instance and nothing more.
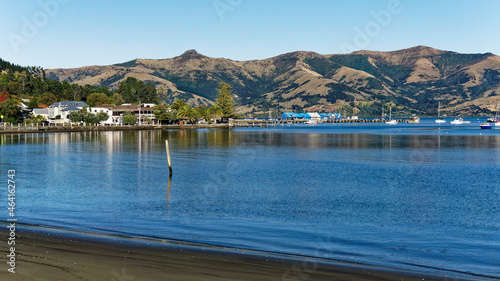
(440, 119)
(497, 122)
(391, 122)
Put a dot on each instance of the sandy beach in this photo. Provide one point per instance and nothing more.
(54, 254)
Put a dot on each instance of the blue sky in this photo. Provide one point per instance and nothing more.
(75, 33)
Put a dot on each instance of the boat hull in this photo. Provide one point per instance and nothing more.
(486, 126)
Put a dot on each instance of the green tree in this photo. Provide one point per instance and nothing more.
(99, 99)
(187, 112)
(214, 111)
(91, 119)
(11, 111)
(161, 113)
(118, 99)
(76, 92)
(83, 115)
(128, 118)
(47, 99)
(162, 94)
(225, 100)
(32, 103)
(102, 116)
(178, 104)
(38, 118)
(133, 91)
(79, 116)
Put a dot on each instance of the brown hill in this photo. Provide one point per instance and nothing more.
(415, 79)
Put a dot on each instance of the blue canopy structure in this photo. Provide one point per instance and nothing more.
(296, 116)
(331, 116)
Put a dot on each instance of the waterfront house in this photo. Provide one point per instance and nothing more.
(143, 112)
(63, 109)
(41, 111)
(108, 109)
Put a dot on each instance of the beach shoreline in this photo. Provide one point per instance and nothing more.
(57, 254)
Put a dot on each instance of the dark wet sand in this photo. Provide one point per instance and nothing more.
(51, 254)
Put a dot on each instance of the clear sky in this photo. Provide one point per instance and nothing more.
(75, 33)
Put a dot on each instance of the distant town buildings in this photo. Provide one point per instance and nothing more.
(63, 109)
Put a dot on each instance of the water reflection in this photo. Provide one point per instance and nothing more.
(169, 185)
(147, 141)
(377, 195)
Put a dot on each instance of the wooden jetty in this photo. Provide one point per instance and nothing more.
(280, 122)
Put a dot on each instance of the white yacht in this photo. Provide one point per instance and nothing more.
(440, 119)
(391, 122)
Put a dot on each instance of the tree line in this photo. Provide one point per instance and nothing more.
(179, 110)
(18, 82)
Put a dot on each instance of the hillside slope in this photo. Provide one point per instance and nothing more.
(415, 79)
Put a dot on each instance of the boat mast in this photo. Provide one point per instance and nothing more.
(496, 114)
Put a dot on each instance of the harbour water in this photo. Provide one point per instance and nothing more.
(410, 196)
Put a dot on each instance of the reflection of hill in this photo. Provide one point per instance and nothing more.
(149, 141)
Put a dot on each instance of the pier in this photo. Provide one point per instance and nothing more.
(284, 122)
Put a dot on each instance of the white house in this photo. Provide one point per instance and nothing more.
(143, 112)
(41, 111)
(64, 108)
(108, 109)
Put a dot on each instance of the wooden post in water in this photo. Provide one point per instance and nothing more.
(168, 157)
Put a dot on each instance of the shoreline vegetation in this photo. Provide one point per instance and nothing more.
(45, 253)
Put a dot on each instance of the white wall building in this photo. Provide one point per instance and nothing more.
(41, 111)
(112, 120)
(64, 108)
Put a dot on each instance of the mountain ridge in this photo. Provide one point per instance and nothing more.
(415, 79)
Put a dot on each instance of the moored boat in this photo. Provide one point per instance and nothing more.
(440, 119)
(391, 122)
(495, 120)
(486, 125)
(414, 119)
(457, 121)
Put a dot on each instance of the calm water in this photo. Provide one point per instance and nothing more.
(410, 196)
